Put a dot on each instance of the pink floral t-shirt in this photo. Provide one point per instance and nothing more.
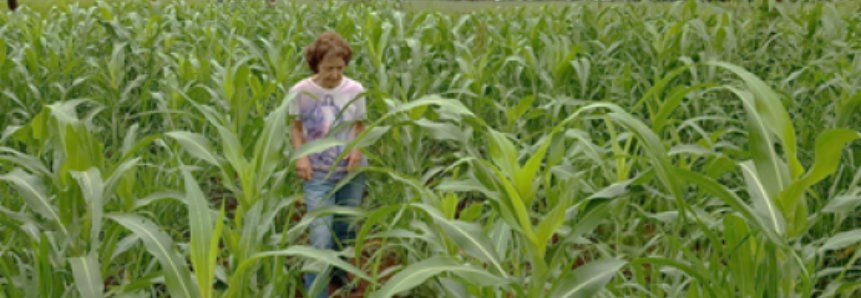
(319, 115)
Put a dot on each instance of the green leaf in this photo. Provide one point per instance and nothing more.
(113, 181)
(202, 234)
(18, 220)
(92, 187)
(525, 104)
(298, 228)
(763, 205)
(841, 288)
(369, 137)
(30, 163)
(521, 220)
(3, 55)
(551, 222)
(739, 247)
(327, 257)
(446, 105)
(613, 191)
(88, 278)
(442, 131)
(841, 240)
(469, 237)
(160, 245)
(765, 159)
(43, 269)
(213, 248)
(660, 160)
(416, 274)
(659, 87)
(268, 149)
(371, 222)
(158, 196)
(500, 235)
(32, 190)
(466, 185)
(129, 152)
(590, 220)
(472, 213)
(843, 204)
(241, 76)
(707, 283)
(9, 131)
(232, 149)
(196, 145)
(524, 177)
(829, 145)
(504, 154)
(765, 110)
(66, 111)
(716, 189)
(454, 288)
(672, 103)
(129, 140)
(848, 110)
(586, 281)
(316, 146)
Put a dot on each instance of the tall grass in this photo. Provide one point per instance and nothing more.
(625, 150)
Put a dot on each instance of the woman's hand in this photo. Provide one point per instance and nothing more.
(355, 160)
(303, 168)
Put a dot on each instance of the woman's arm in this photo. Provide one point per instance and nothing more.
(303, 165)
(297, 133)
(355, 157)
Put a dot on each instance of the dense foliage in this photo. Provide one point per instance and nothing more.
(624, 150)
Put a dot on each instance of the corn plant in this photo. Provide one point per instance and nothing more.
(679, 149)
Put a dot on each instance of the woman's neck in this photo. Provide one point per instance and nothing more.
(321, 83)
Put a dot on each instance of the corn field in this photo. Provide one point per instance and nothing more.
(592, 150)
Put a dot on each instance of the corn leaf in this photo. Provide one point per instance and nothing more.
(526, 176)
(416, 274)
(469, 237)
(587, 280)
(88, 278)
(196, 145)
(159, 244)
(657, 154)
(848, 110)
(504, 154)
(829, 145)
(327, 257)
(30, 163)
(841, 240)
(202, 234)
(765, 110)
(843, 204)
(763, 204)
(316, 146)
(92, 187)
(33, 191)
(739, 238)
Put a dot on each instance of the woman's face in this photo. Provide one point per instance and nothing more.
(330, 71)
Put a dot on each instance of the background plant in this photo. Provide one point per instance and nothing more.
(611, 150)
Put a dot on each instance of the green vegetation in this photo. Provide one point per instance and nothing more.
(624, 150)
(447, 6)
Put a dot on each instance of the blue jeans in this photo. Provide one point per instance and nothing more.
(316, 192)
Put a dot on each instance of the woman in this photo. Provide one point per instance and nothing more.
(322, 102)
